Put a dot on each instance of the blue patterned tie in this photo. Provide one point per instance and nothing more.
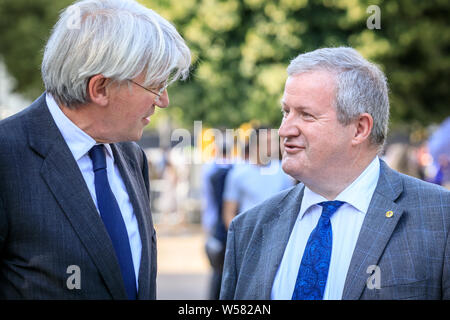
(313, 272)
(113, 220)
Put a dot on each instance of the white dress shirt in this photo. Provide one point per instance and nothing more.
(79, 144)
(346, 224)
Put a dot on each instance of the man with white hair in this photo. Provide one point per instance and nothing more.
(75, 220)
(353, 228)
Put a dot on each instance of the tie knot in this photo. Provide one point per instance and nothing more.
(330, 207)
(98, 158)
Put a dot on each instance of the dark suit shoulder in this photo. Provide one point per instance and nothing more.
(11, 128)
(13, 140)
(17, 116)
(23, 114)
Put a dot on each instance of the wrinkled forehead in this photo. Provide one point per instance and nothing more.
(309, 89)
(315, 79)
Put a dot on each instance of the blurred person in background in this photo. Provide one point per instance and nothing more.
(167, 202)
(213, 183)
(438, 146)
(255, 180)
(401, 157)
(442, 176)
(75, 220)
(353, 228)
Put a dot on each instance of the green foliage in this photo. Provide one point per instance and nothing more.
(25, 27)
(241, 49)
(413, 47)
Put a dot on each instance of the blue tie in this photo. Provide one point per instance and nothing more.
(313, 272)
(113, 220)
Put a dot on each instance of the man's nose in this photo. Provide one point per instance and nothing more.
(288, 128)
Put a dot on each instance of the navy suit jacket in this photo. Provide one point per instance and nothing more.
(48, 220)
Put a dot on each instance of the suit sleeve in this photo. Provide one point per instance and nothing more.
(446, 271)
(229, 277)
(3, 225)
(446, 267)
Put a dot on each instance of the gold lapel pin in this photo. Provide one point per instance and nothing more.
(389, 214)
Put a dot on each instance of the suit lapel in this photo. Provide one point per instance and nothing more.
(64, 179)
(276, 235)
(375, 232)
(141, 205)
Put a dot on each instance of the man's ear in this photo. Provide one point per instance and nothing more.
(363, 128)
(97, 90)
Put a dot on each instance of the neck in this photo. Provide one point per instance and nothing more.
(86, 118)
(345, 175)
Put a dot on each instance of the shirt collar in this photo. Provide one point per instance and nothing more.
(78, 141)
(358, 194)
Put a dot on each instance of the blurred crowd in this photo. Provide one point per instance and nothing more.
(428, 160)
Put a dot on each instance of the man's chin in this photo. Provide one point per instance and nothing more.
(137, 134)
(291, 168)
(132, 137)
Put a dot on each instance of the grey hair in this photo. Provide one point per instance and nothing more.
(119, 39)
(361, 87)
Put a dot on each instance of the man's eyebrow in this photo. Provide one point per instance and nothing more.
(300, 107)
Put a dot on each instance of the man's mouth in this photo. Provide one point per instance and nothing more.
(292, 147)
(147, 118)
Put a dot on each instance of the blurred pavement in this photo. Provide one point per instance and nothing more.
(183, 268)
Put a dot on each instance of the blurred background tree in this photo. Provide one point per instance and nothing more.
(241, 49)
(25, 27)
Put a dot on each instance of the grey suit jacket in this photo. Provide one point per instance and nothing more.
(411, 248)
(48, 220)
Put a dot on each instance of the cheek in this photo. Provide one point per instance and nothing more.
(333, 148)
(136, 111)
(319, 147)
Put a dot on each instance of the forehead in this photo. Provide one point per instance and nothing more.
(310, 88)
(141, 80)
